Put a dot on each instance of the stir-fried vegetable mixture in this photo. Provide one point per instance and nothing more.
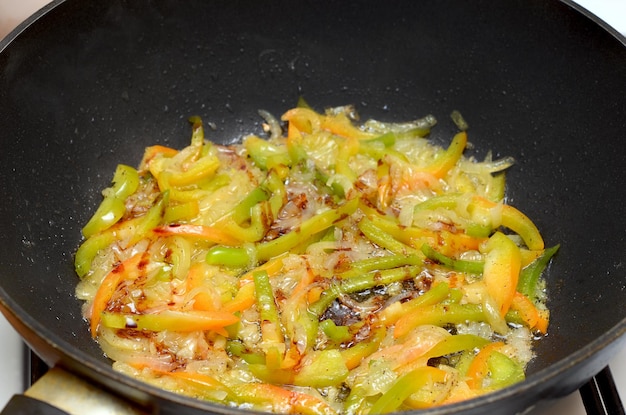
(330, 267)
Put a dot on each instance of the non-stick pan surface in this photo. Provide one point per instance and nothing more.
(89, 84)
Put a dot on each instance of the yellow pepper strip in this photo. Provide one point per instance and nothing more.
(304, 119)
(383, 239)
(283, 400)
(272, 267)
(527, 311)
(207, 386)
(440, 167)
(171, 320)
(207, 233)
(501, 270)
(395, 311)
(514, 220)
(181, 212)
(339, 124)
(408, 235)
(199, 170)
(439, 315)
(243, 300)
(479, 369)
(456, 343)
(405, 386)
(308, 228)
(265, 154)
(129, 269)
(156, 151)
(353, 356)
(322, 368)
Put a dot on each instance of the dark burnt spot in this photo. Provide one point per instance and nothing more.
(340, 314)
(437, 361)
(451, 328)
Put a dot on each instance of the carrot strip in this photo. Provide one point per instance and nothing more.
(529, 313)
(478, 368)
(127, 269)
(282, 399)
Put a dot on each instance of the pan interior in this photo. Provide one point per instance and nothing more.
(90, 84)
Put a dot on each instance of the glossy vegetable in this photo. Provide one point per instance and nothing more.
(343, 268)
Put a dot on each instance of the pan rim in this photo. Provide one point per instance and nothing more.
(614, 336)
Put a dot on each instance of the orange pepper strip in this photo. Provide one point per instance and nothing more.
(207, 233)
(196, 277)
(284, 400)
(533, 317)
(273, 266)
(478, 369)
(151, 152)
(243, 300)
(501, 271)
(245, 297)
(453, 153)
(304, 119)
(341, 125)
(516, 221)
(125, 270)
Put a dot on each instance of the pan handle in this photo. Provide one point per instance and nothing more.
(600, 395)
(59, 392)
(24, 405)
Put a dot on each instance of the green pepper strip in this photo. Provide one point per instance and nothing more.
(338, 334)
(151, 219)
(529, 276)
(380, 263)
(361, 283)
(109, 212)
(327, 368)
(237, 348)
(228, 256)
(503, 370)
(383, 239)
(241, 212)
(456, 343)
(136, 229)
(266, 304)
(171, 320)
(125, 182)
(265, 154)
(308, 228)
(355, 354)
(446, 201)
(88, 250)
(404, 387)
(472, 267)
(112, 208)
(439, 315)
(435, 295)
(197, 131)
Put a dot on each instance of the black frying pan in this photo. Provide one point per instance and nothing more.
(89, 84)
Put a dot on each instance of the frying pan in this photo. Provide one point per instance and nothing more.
(85, 85)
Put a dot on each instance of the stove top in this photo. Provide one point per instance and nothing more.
(14, 380)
